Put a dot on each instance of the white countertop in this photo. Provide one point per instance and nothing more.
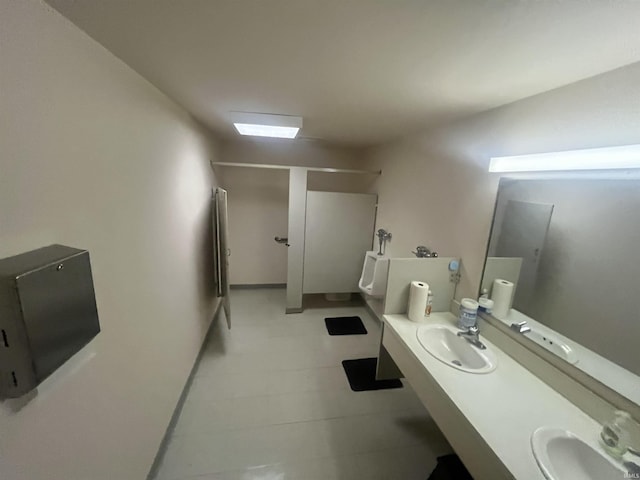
(614, 376)
(505, 406)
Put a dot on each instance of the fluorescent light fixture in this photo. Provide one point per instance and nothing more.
(266, 124)
(608, 158)
(266, 130)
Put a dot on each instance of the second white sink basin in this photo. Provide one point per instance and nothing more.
(563, 456)
(443, 342)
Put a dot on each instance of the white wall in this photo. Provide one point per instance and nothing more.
(435, 189)
(259, 199)
(93, 156)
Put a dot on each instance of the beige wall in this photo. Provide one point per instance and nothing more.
(435, 189)
(93, 156)
(259, 199)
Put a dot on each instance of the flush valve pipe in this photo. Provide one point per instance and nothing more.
(383, 236)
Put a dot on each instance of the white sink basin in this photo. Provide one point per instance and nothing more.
(561, 455)
(443, 343)
(553, 344)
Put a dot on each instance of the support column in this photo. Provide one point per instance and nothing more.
(295, 257)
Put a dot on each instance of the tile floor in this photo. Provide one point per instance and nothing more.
(270, 401)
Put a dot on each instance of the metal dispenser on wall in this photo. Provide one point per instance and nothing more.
(47, 313)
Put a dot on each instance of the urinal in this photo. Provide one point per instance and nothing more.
(373, 280)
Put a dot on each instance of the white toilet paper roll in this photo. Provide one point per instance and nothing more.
(418, 294)
(502, 296)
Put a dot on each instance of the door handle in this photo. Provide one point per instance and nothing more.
(282, 240)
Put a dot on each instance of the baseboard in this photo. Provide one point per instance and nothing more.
(155, 466)
(248, 286)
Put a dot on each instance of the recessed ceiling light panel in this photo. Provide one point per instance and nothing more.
(266, 130)
(266, 124)
(609, 158)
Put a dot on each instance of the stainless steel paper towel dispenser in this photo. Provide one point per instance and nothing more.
(47, 313)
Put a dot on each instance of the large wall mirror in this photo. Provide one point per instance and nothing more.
(571, 248)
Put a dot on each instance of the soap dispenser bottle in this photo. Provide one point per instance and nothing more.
(615, 434)
(427, 310)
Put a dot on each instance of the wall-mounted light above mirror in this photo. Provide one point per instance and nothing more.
(607, 158)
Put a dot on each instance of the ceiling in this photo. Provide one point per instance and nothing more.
(360, 72)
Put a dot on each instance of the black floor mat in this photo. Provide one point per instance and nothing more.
(450, 468)
(345, 326)
(361, 374)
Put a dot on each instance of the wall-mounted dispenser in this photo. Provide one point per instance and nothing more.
(47, 314)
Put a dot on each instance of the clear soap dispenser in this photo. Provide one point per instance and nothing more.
(616, 434)
(427, 311)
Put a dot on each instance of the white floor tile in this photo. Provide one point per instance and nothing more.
(253, 383)
(270, 400)
(408, 463)
(203, 415)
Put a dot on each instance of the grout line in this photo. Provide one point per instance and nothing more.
(221, 429)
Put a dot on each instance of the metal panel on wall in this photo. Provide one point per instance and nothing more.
(48, 313)
(221, 249)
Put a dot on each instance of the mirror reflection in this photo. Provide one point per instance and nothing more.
(563, 270)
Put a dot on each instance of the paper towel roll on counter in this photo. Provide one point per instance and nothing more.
(418, 295)
(502, 296)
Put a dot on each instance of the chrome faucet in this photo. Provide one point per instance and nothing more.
(472, 335)
(424, 252)
(521, 327)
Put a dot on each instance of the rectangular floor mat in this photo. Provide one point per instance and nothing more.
(361, 374)
(450, 467)
(345, 326)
